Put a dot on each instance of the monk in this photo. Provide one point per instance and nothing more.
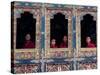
(64, 43)
(89, 42)
(28, 43)
(53, 44)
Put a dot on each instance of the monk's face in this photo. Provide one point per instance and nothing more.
(88, 39)
(28, 37)
(65, 38)
(53, 42)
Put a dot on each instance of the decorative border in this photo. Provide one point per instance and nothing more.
(87, 63)
(60, 66)
(26, 68)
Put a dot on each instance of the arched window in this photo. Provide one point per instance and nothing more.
(88, 31)
(59, 31)
(26, 29)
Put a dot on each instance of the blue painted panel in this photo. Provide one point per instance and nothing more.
(74, 32)
(43, 32)
(43, 23)
(25, 61)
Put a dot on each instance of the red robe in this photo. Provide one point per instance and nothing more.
(53, 46)
(63, 45)
(91, 45)
(29, 44)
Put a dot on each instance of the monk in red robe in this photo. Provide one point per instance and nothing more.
(64, 43)
(53, 44)
(28, 43)
(89, 43)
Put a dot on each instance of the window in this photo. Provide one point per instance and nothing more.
(59, 31)
(26, 29)
(88, 31)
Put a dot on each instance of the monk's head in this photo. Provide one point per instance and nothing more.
(65, 38)
(28, 37)
(53, 42)
(88, 39)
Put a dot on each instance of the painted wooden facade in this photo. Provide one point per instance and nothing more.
(42, 58)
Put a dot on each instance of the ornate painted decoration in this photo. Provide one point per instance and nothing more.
(35, 43)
